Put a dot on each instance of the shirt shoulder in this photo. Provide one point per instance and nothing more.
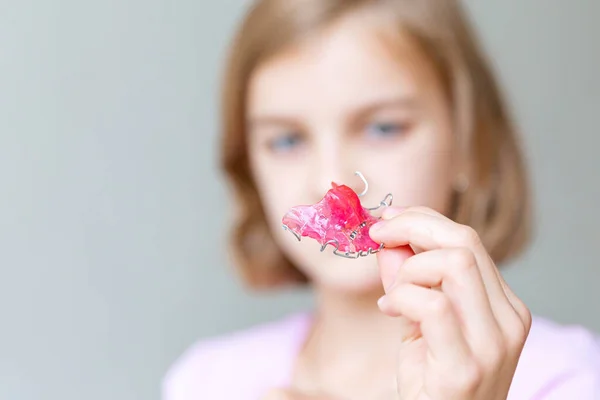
(241, 364)
(558, 362)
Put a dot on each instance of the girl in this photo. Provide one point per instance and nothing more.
(400, 91)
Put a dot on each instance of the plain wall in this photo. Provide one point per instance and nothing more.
(113, 214)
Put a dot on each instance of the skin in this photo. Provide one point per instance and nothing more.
(448, 327)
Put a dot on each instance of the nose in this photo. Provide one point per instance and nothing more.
(325, 168)
(331, 165)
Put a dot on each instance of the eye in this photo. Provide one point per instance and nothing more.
(385, 129)
(285, 142)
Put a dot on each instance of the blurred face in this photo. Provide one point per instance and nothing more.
(339, 104)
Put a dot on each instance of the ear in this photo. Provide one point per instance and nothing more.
(461, 182)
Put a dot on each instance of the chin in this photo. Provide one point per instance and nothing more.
(353, 281)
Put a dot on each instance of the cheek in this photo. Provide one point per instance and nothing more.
(431, 185)
(417, 172)
(282, 182)
(434, 172)
(276, 192)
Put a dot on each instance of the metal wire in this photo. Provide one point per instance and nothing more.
(386, 202)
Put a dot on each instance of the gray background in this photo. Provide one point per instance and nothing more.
(112, 212)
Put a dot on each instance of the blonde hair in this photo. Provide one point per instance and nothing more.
(497, 201)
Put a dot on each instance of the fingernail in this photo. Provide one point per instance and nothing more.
(382, 301)
(392, 212)
(392, 285)
(376, 227)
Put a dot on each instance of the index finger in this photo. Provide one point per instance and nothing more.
(425, 230)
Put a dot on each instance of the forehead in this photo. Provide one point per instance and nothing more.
(347, 65)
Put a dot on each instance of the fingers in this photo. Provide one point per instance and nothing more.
(430, 230)
(516, 329)
(455, 271)
(436, 317)
(517, 303)
(392, 212)
(425, 230)
(471, 323)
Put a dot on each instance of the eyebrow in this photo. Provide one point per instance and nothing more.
(408, 102)
(358, 111)
(272, 120)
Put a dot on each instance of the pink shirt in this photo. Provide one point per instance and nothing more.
(557, 363)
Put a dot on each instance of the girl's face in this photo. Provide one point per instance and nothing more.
(335, 105)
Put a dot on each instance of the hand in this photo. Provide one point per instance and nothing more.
(470, 328)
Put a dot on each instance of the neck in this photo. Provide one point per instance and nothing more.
(344, 321)
(350, 338)
(349, 314)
